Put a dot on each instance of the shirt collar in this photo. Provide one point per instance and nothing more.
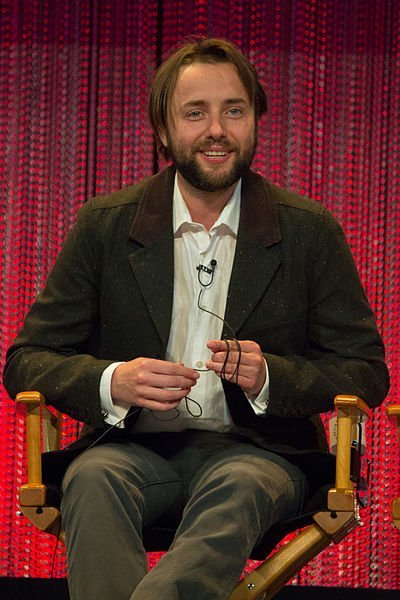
(229, 218)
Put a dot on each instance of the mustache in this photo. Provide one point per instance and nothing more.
(224, 145)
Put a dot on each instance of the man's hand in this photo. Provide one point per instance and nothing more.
(251, 373)
(151, 383)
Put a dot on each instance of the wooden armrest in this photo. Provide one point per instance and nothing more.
(356, 405)
(351, 410)
(30, 397)
(393, 412)
(43, 433)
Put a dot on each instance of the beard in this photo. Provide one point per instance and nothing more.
(213, 179)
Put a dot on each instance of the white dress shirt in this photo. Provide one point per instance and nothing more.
(191, 327)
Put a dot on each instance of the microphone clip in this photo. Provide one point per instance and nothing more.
(209, 270)
(205, 269)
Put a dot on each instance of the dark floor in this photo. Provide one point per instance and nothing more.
(56, 589)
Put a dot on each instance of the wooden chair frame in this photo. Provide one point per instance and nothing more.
(330, 525)
(393, 413)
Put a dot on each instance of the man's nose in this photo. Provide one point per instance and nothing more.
(216, 127)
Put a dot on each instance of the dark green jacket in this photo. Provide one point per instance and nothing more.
(294, 289)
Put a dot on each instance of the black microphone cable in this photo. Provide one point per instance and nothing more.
(204, 284)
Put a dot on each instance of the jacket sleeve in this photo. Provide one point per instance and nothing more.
(344, 353)
(53, 351)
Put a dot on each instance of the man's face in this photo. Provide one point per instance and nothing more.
(211, 134)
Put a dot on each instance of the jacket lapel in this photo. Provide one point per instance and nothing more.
(153, 263)
(257, 254)
(256, 260)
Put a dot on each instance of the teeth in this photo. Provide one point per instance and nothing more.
(212, 153)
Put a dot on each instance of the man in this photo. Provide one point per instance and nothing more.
(210, 317)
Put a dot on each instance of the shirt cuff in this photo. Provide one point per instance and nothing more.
(260, 403)
(112, 414)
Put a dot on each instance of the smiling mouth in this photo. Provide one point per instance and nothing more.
(216, 156)
(215, 153)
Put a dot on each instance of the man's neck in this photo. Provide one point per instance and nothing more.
(204, 207)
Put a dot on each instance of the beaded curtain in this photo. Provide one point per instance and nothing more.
(74, 78)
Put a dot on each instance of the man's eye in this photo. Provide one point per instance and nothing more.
(235, 112)
(195, 114)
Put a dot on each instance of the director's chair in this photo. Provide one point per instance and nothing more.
(332, 513)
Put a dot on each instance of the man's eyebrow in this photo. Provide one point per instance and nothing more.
(191, 103)
(227, 101)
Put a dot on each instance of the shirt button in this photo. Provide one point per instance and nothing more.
(199, 364)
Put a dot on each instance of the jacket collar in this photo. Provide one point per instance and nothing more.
(258, 215)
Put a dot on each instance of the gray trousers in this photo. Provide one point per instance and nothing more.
(226, 491)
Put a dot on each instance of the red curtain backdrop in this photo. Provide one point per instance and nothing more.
(74, 78)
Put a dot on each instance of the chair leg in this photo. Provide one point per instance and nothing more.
(269, 577)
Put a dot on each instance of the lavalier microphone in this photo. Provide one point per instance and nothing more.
(210, 270)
